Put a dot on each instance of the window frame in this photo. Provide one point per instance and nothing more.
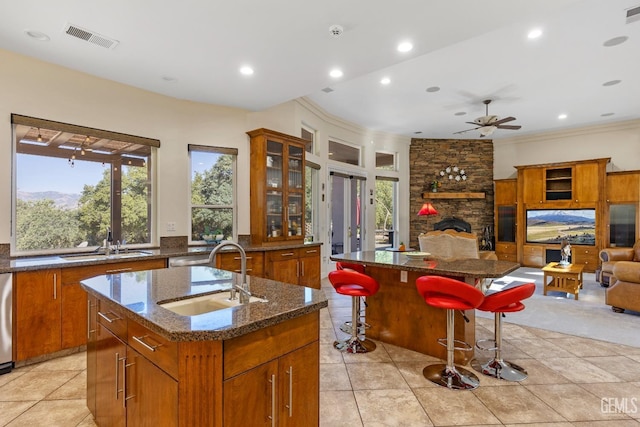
(234, 203)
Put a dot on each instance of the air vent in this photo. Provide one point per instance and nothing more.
(327, 90)
(90, 36)
(633, 14)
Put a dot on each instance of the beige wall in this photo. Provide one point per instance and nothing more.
(620, 142)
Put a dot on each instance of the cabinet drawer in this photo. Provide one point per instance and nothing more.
(110, 316)
(590, 262)
(507, 257)
(506, 248)
(232, 262)
(157, 349)
(76, 274)
(533, 251)
(275, 256)
(309, 252)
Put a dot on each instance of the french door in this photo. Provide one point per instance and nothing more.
(346, 212)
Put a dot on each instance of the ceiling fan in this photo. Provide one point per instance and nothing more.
(487, 124)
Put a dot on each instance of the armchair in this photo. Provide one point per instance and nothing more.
(624, 292)
(610, 256)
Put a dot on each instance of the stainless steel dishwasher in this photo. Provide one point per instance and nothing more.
(6, 357)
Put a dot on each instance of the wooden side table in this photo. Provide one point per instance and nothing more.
(566, 279)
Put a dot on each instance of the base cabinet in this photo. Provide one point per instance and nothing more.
(296, 266)
(281, 392)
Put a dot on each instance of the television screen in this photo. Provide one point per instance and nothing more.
(577, 226)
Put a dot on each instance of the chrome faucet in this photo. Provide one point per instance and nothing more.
(245, 292)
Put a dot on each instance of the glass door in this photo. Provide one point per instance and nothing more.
(275, 191)
(347, 213)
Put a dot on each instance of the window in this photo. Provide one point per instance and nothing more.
(213, 175)
(385, 161)
(308, 135)
(386, 196)
(311, 201)
(344, 153)
(74, 183)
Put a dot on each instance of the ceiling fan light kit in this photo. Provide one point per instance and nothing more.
(488, 124)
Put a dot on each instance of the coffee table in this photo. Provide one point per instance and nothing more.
(566, 279)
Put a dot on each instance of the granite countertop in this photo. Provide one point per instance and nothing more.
(11, 265)
(139, 294)
(467, 267)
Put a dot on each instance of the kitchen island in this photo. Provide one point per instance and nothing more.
(253, 364)
(397, 313)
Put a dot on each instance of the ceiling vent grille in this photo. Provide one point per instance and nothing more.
(90, 36)
(327, 90)
(633, 14)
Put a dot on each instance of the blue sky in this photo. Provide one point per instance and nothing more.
(38, 173)
(587, 213)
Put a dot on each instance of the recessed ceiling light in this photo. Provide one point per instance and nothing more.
(611, 83)
(460, 113)
(433, 89)
(535, 33)
(335, 73)
(246, 70)
(385, 80)
(562, 116)
(37, 35)
(615, 41)
(405, 47)
(606, 114)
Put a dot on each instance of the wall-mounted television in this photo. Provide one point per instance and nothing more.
(552, 226)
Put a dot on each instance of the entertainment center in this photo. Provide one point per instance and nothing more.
(574, 201)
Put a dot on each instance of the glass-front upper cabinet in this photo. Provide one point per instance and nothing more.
(277, 187)
(622, 225)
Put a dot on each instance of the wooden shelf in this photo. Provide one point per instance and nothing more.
(438, 195)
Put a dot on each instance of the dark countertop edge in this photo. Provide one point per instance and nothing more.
(44, 262)
(430, 270)
(212, 335)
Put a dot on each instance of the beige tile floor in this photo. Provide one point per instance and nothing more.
(572, 382)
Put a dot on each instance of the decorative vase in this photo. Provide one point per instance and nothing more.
(434, 190)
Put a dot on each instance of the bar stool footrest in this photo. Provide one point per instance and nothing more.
(457, 344)
(479, 345)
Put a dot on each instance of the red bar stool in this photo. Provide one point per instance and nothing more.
(507, 301)
(356, 285)
(346, 326)
(451, 295)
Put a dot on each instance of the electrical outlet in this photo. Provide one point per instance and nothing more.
(403, 276)
(171, 226)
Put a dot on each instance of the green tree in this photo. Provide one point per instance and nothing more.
(384, 204)
(94, 214)
(213, 187)
(41, 225)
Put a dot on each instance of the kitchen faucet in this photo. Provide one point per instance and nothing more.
(245, 293)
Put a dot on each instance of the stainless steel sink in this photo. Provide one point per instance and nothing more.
(98, 256)
(206, 304)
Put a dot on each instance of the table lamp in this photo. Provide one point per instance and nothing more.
(427, 210)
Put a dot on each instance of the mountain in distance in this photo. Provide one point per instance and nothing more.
(61, 200)
(559, 217)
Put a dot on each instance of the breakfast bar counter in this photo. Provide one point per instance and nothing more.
(397, 313)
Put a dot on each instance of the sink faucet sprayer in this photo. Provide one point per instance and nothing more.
(245, 292)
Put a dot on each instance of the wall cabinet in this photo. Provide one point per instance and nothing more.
(51, 307)
(533, 256)
(277, 187)
(300, 266)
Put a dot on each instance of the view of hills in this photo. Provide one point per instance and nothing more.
(61, 200)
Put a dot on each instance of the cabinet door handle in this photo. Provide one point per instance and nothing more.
(287, 254)
(302, 262)
(144, 344)
(312, 251)
(237, 258)
(290, 405)
(125, 365)
(118, 360)
(273, 400)
(55, 286)
(298, 269)
(105, 317)
(118, 270)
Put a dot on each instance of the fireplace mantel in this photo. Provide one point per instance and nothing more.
(440, 195)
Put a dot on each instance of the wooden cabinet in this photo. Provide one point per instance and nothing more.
(586, 256)
(277, 187)
(37, 314)
(275, 393)
(108, 384)
(299, 266)
(92, 361)
(51, 306)
(506, 251)
(558, 183)
(505, 214)
(530, 185)
(231, 261)
(587, 183)
(623, 187)
(533, 256)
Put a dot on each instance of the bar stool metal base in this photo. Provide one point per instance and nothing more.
(355, 345)
(346, 327)
(455, 378)
(500, 369)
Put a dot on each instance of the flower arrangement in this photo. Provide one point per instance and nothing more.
(434, 185)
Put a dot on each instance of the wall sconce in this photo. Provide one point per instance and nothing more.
(427, 210)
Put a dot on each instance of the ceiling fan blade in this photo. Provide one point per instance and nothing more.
(505, 120)
(512, 127)
(474, 123)
(466, 130)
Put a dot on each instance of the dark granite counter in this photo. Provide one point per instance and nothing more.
(11, 265)
(468, 268)
(139, 294)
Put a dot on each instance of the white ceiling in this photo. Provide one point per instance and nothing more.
(473, 50)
